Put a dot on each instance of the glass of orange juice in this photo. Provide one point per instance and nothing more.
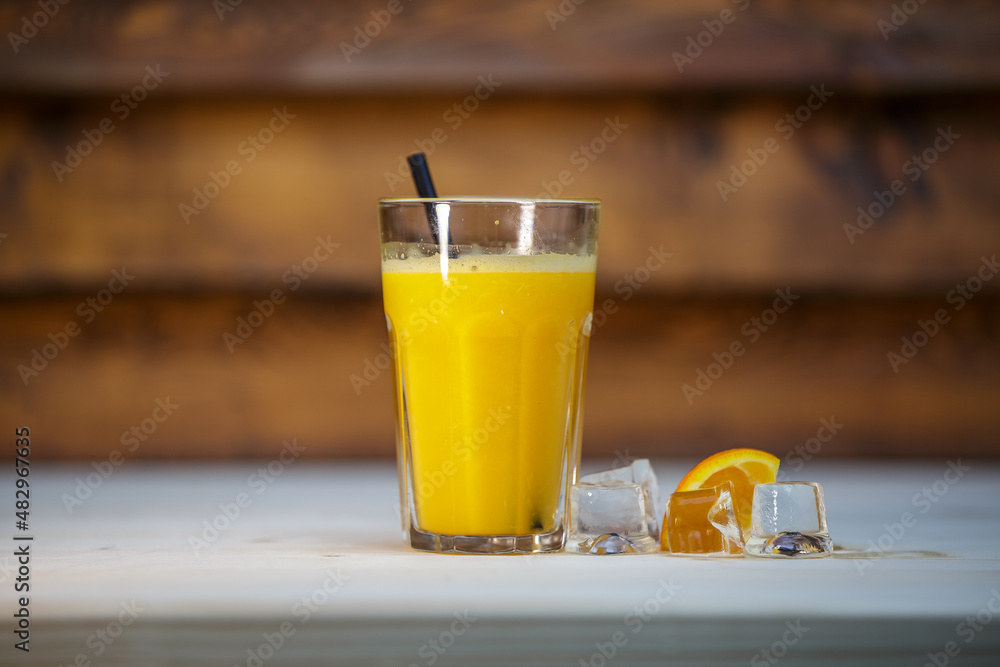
(489, 307)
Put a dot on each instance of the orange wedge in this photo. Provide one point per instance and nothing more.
(745, 468)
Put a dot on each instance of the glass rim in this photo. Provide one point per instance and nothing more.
(485, 200)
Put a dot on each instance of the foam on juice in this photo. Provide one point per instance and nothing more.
(549, 263)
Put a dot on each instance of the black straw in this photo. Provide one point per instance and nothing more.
(425, 188)
(422, 176)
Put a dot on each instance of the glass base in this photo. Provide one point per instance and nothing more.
(487, 544)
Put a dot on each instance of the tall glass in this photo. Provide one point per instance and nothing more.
(489, 307)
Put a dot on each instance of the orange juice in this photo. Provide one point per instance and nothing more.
(489, 363)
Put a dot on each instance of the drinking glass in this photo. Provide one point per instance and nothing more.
(489, 308)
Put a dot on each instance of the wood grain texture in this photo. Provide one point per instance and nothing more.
(299, 45)
(505, 105)
(659, 180)
(824, 359)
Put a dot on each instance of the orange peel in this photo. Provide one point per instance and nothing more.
(745, 468)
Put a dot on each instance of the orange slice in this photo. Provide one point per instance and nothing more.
(745, 468)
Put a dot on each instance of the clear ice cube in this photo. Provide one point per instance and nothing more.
(608, 517)
(797, 544)
(788, 520)
(608, 544)
(639, 472)
(702, 522)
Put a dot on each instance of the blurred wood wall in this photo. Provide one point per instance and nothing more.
(221, 146)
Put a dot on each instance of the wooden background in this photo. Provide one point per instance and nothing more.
(62, 235)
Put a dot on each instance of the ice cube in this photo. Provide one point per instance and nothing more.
(639, 472)
(608, 545)
(702, 522)
(797, 544)
(602, 514)
(788, 519)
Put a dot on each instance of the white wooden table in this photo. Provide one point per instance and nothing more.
(314, 565)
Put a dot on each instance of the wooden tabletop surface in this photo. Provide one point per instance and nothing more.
(305, 566)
